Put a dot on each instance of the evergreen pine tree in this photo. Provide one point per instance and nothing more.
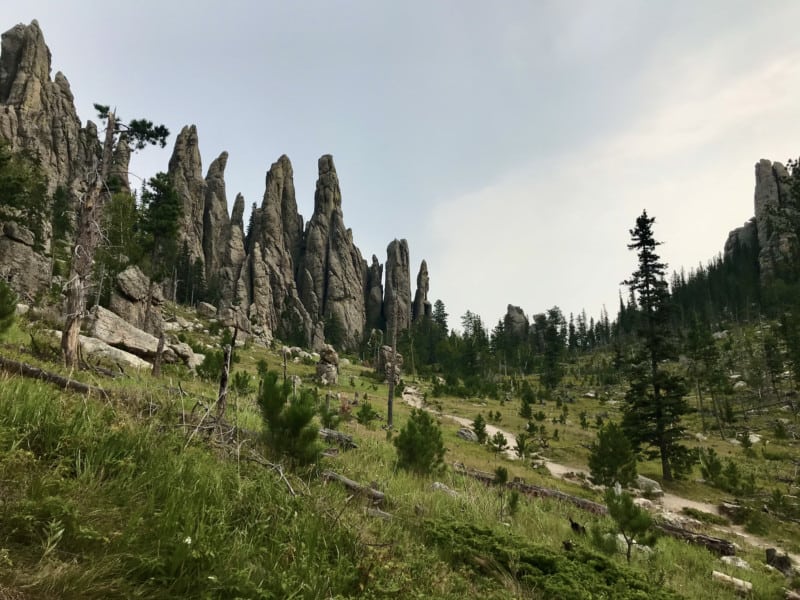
(655, 399)
(419, 445)
(288, 426)
(633, 522)
(611, 457)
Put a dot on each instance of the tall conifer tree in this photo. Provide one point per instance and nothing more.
(655, 399)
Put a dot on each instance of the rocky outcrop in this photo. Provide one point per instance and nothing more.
(186, 174)
(515, 322)
(115, 331)
(422, 307)
(374, 300)
(26, 270)
(138, 301)
(740, 238)
(216, 224)
(232, 259)
(281, 279)
(776, 216)
(92, 348)
(328, 365)
(332, 273)
(118, 332)
(274, 248)
(397, 298)
(384, 366)
(38, 114)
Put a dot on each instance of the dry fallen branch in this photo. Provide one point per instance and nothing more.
(376, 496)
(337, 437)
(18, 368)
(742, 587)
(253, 457)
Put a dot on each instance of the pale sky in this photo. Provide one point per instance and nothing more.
(513, 144)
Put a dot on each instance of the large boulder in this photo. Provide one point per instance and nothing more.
(138, 301)
(206, 310)
(328, 366)
(115, 331)
(94, 348)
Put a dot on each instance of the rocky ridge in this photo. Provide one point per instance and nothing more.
(283, 279)
(773, 230)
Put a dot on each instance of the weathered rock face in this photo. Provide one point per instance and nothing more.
(397, 299)
(138, 301)
(741, 237)
(274, 247)
(216, 224)
(27, 271)
(332, 273)
(374, 301)
(776, 217)
(37, 114)
(421, 305)
(232, 260)
(186, 174)
(283, 280)
(515, 321)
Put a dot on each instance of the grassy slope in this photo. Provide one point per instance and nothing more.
(105, 499)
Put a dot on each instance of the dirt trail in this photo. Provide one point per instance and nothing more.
(670, 503)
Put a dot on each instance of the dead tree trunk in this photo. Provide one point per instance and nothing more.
(392, 371)
(159, 356)
(227, 356)
(86, 242)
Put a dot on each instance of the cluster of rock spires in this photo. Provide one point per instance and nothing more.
(282, 279)
(773, 230)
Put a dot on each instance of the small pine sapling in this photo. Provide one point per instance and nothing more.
(631, 521)
(479, 428)
(419, 445)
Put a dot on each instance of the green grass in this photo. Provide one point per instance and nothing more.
(104, 498)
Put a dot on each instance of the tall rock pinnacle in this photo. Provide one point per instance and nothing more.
(273, 248)
(186, 174)
(397, 299)
(332, 273)
(421, 305)
(216, 225)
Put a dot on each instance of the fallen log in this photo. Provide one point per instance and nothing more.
(17, 368)
(741, 586)
(337, 437)
(376, 496)
(717, 545)
(535, 491)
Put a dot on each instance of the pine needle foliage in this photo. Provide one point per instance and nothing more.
(611, 458)
(420, 447)
(288, 427)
